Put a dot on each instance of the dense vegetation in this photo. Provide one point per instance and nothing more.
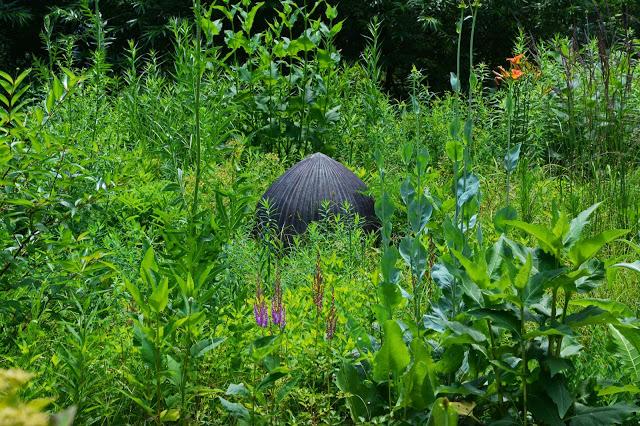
(501, 288)
(413, 32)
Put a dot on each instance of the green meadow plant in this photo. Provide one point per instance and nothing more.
(129, 265)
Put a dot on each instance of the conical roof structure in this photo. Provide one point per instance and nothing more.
(296, 198)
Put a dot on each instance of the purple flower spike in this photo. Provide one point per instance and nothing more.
(278, 312)
(332, 318)
(260, 307)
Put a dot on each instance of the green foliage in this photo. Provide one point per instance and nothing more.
(129, 271)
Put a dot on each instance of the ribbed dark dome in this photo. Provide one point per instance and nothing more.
(295, 199)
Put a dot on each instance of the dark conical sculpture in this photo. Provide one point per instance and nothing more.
(296, 198)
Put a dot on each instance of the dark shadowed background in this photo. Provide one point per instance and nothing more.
(414, 32)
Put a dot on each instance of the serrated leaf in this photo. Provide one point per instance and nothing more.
(577, 225)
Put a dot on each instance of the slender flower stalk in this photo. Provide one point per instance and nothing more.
(278, 311)
(318, 287)
(260, 311)
(332, 317)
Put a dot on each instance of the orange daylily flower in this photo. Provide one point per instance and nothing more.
(516, 74)
(516, 59)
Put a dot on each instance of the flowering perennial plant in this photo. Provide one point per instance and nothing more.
(518, 67)
(318, 287)
(278, 311)
(260, 311)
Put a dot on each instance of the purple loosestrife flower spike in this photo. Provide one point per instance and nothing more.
(278, 312)
(260, 307)
(318, 287)
(332, 317)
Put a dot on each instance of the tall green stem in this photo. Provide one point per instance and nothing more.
(197, 82)
(158, 368)
(525, 371)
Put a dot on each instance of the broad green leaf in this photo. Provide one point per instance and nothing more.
(336, 28)
(559, 330)
(460, 329)
(422, 161)
(57, 88)
(415, 256)
(635, 266)
(614, 390)
(150, 411)
(132, 288)
(557, 365)
(407, 191)
(200, 348)
(511, 158)
(611, 306)
(509, 103)
(423, 380)
(263, 346)
(472, 290)
(419, 212)
(598, 416)
(626, 342)
(236, 410)
(271, 378)
(390, 274)
(442, 276)
(454, 150)
(417, 389)
(499, 318)
(453, 234)
(468, 131)
(172, 415)
(160, 296)
(577, 225)
(591, 315)
(502, 215)
(210, 28)
(467, 188)
(393, 357)
(548, 242)
(443, 414)
(361, 395)
(455, 82)
(560, 395)
(522, 277)
(148, 266)
(584, 250)
(237, 389)
(384, 207)
(331, 12)
(476, 269)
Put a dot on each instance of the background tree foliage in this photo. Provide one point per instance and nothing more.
(414, 32)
